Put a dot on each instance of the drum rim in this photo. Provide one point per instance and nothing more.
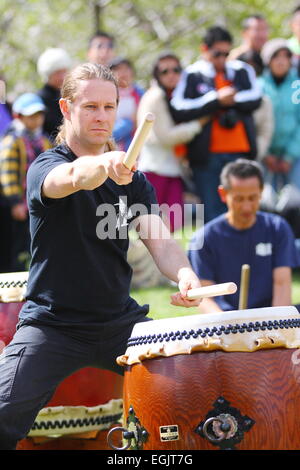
(57, 421)
(278, 327)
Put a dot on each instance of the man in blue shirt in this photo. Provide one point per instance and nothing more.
(244, 235)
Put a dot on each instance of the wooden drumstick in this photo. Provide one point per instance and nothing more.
(244, 287)
(138, 140)
(212, 291)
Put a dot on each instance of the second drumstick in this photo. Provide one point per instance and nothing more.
(212, 291)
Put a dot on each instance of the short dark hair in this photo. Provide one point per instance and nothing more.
(101, 34)
(246, 21)
(242, 169)
(216, 34)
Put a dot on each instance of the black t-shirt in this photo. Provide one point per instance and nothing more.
(76, 274)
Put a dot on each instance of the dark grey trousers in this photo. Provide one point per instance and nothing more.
(38, 358)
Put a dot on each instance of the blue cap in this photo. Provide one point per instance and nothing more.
(28, 104)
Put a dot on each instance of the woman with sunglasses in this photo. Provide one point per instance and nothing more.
(158, 158)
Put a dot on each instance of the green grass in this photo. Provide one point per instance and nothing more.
(158, 299)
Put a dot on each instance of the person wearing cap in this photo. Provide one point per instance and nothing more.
(282, 161)
(130, 95)
(17, 151)
(52, 66)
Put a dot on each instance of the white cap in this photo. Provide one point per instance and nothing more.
(271, 47)
(51, 60)
(28, 104)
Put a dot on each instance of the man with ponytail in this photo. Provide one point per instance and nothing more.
(78, 311)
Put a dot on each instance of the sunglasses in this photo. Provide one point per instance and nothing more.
(105, 45)
(166, 71)
(217, 54)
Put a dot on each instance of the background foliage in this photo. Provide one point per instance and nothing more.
(143, 28)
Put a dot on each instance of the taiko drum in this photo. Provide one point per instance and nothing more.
(82, 410)
(215, 381)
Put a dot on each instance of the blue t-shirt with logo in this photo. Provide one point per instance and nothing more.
(79, 273)
(268, 244)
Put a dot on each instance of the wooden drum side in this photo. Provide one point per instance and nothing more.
(88, 387)
(88, 441)
(9, 313)
(181, 391)
(100, 392)
(84, 406)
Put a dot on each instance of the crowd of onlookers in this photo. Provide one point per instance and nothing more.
(231, 103)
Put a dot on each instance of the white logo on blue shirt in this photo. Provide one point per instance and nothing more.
(263, 249)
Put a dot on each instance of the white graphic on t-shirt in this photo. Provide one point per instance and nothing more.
(263, 249)
(124, 213)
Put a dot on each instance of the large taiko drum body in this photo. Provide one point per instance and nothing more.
(85, 405)
(216, 381)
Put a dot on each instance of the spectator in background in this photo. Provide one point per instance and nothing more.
(130, 95)
(263, 116)
(52, 66)
(101, 48)
(244, 235)
(255, 32)
(230, 93)
(158, 158)
(283, 158)
(17, 152)
(5, 108)
(294, 40)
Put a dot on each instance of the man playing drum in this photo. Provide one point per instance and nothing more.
(78, 310)
(245, 235)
